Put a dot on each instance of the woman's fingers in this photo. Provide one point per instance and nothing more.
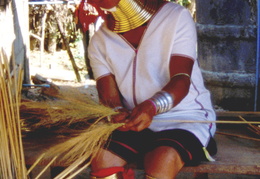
(121, 117)
(138, 123)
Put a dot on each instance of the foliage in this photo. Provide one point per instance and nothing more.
(51, 32)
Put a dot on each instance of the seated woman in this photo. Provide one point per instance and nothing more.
(145, 64)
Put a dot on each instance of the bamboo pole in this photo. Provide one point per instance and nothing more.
(251, 127)
(65, 41)
(239, 136)
(217, 121)
(42, 37)
(12, 163)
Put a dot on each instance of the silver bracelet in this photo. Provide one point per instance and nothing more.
(163, 101)
(117, 108)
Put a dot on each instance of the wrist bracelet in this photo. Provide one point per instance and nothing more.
(181, 74)
(163, 101)
(154, 105)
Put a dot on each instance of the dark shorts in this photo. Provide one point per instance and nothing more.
(132, 146)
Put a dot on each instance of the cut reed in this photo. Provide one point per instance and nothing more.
(12, 163)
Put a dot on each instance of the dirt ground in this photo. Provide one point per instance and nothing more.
(57, 68)
(57, 65)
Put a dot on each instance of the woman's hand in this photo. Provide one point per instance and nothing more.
(141, 117)
(121, 118)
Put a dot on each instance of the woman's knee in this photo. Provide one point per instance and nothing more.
(163, 162)
(108, 165)
(106, 159)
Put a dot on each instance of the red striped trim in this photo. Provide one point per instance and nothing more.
(126, 146)
(107, 172)
(190, 155)
(134, 78)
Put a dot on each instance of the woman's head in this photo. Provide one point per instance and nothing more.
(125, 15)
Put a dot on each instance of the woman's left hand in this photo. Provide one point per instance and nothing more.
(141, 117)
(121, 117)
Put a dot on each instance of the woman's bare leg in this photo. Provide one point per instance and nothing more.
(163, 163)
(106, 159)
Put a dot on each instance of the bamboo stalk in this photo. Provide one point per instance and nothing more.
(66, 43)
(12, 164)
(251, 127)
(42, 37)
(78, 171)
(35, 163)
(45, 168)
(71, 168)
(217, 121)
(240, 117)
(239, 136)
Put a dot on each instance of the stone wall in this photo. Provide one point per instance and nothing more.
(227, 35)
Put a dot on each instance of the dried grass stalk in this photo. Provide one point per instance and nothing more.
(69, 107)
(82, 148)
(85, 144)
(12, 164)
(78, 150)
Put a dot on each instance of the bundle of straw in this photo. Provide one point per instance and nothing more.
(12, 164)
(69, 109)
(71, 112)
(77, 152)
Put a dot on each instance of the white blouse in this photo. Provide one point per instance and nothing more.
(142, 72)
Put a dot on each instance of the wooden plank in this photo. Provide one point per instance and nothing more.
(235, 156)
(221, 114)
